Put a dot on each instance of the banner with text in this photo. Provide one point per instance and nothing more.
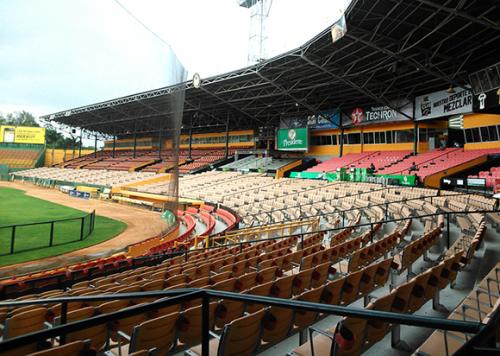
(296, 139)
(378, 114)
(441, 103)
(328, 119)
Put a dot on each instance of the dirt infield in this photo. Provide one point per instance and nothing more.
(141, 224)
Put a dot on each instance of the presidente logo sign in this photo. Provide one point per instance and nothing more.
(293, 139)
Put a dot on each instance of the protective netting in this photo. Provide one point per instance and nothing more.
(170, 129)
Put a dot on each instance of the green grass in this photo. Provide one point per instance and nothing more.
(32, 242)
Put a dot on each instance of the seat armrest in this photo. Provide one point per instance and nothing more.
(215, 335)
(122, 335)
(312, 330)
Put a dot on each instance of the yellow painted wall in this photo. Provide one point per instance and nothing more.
(435, 179)
(218, 134)
(324, 150)
(138, 148)
(334, 150)
(219, 145)
(481, 145)
(407, 146)
(58, 155)
(478, 120)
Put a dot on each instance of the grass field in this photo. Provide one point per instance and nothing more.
(32, 242)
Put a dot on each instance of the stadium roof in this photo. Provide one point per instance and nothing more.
(393, 50)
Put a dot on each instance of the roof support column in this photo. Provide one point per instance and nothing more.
(415, 137)
(95, 146)
(135, 139)
(415, 131)
(190, 141)
(341, 142)
(80, 144)
(114, 145)
(160, 143)
(227, 137)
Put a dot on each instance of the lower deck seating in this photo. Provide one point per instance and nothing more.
(20, 158)
(479, 305)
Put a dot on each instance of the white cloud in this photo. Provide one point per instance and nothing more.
(58, 54)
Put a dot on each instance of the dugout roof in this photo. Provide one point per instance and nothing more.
(392, 50)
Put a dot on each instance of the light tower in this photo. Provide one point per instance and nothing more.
(259, 12)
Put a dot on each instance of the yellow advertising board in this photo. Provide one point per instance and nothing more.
(22, 134)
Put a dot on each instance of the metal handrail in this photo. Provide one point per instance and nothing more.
(181, 295)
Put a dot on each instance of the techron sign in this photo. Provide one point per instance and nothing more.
(376, 114)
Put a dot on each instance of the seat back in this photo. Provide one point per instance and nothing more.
(350, 289)
(70, 349)
(282, 287)
(333, 291)
(97, 334)
(242, 335)
(188, 325)
(303, 319)
(377, 329)
(25, 322)
(157, 333)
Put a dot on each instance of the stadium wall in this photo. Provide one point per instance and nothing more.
(56, 156)
(334, 150)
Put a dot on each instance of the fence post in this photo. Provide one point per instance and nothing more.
(343, 218)
(82, 225)
(51, 233)
(448, 230)
(12, 239)
(386, 210)
(205, 325)
(64, 320)
(302, 241)
(93, 220)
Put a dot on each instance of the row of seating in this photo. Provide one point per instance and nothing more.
(85, 176)
(361, 333)
(20, 158)
(481, 303)
(133, 281)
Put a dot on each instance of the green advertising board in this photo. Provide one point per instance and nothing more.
(293, 139)
(401, 178)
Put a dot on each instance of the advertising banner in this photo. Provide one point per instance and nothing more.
(22, 134)
(78, 194)
(293, 139)
(329, 119)
(401, 178)
(34, 135)
(441, 103)
(378, 114)
(487, 102)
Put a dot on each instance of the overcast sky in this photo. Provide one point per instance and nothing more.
(59, 54)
